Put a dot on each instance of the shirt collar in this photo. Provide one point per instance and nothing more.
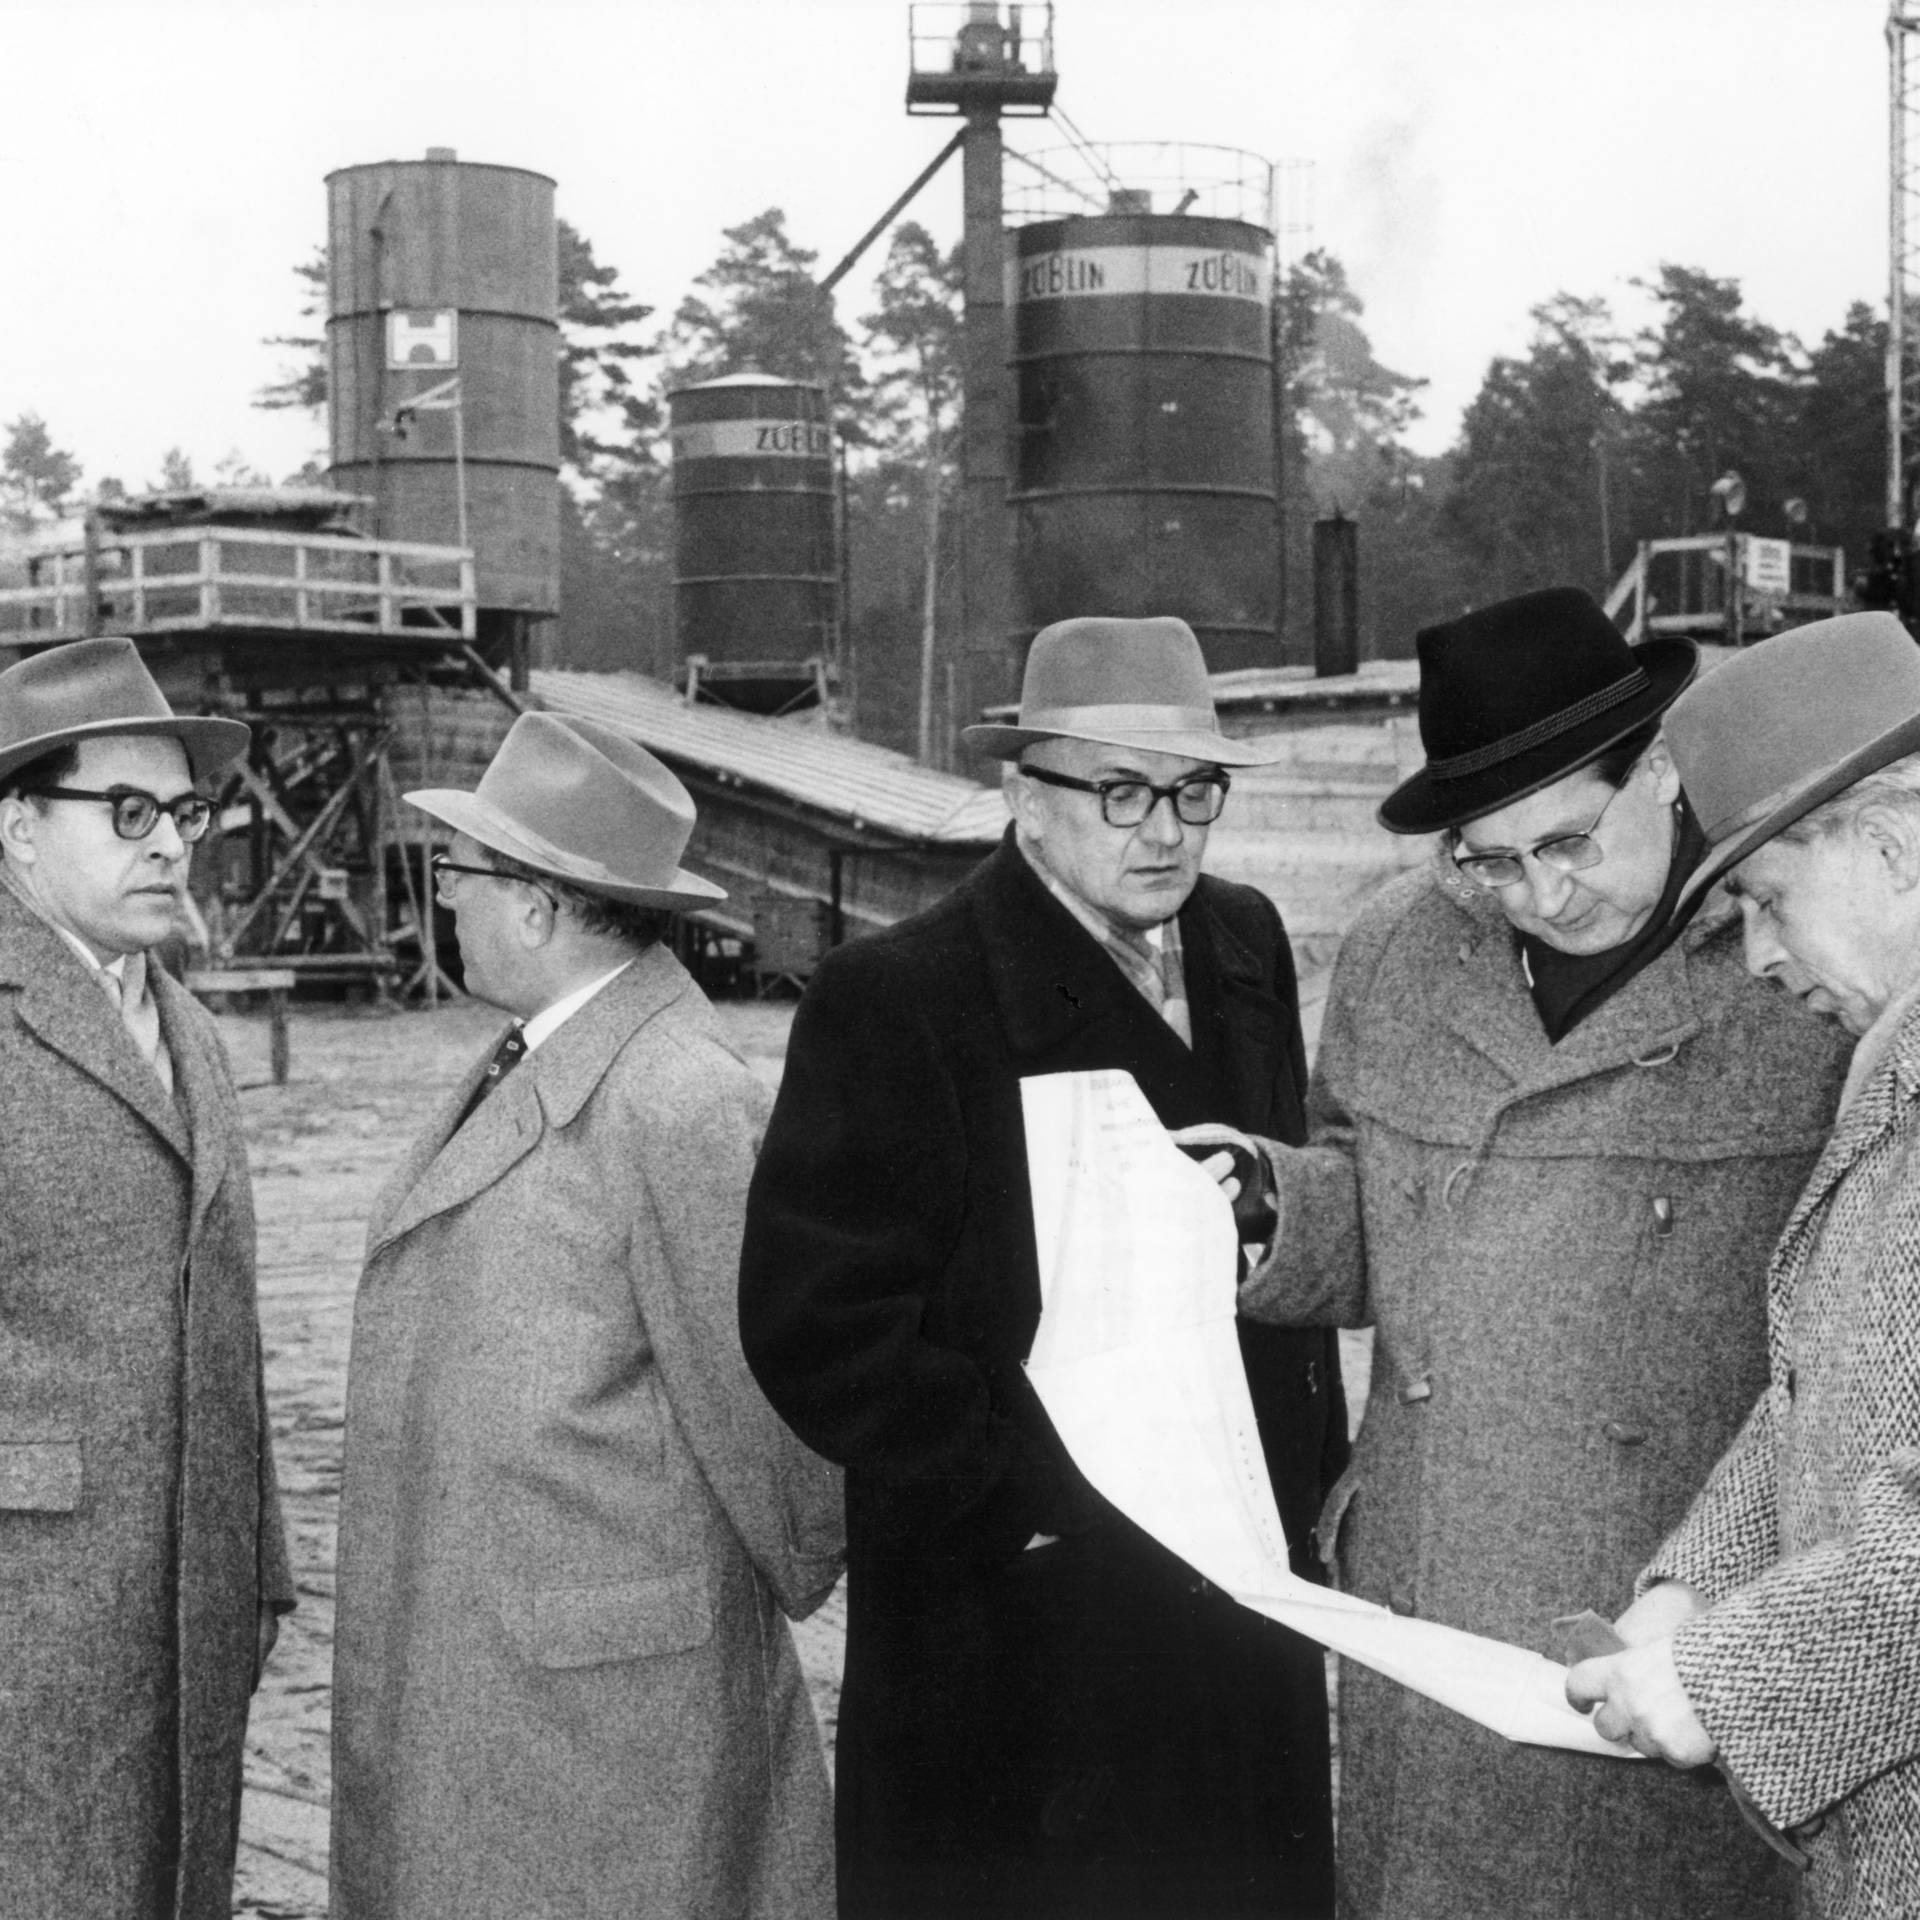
(548, 1020)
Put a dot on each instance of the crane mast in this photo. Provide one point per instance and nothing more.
(1903, 242)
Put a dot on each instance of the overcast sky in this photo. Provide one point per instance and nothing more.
(161, 162)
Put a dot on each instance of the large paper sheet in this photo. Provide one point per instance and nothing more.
(1138, 1365)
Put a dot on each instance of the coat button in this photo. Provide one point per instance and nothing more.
(1623, 1433)
(1400, 1597)
(1417, 1390)
(1662, 1215)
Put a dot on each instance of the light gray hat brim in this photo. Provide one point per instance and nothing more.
(1004, 742)
(467, 813)
(210, 743)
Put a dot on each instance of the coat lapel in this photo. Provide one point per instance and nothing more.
(445, 1168)
(70, 1014)
(199, 1091)
(1494, 1015)
(1872, 1113)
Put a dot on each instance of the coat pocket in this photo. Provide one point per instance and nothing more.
(589, 1626)
(39, 1476)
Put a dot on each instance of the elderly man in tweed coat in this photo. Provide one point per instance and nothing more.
(569, 1521)
(141, 1552)
(1554, 1134)
(1779, 1626)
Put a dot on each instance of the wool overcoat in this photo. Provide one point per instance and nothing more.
(1084, 1729)
(1562, 1250)
(1806, 1671)
(564, 1689)
(139, 1520)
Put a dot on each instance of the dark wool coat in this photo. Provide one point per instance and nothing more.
(139, 1521)
(569, 1520)
(1562, 1250)
(1806, 1670)
(1085, 1729)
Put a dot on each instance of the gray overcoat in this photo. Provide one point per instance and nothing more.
(1563, 1252)
(139, 1522)
(1807, 1670)
(569, 1521)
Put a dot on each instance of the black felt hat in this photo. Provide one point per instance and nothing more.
(1522, 693)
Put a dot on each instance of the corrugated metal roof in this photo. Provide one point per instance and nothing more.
(870, 787)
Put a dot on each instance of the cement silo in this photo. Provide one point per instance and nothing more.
(443, 354)
(756, 579)
(1144, 477)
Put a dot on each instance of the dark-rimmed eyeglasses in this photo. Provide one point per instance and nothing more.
(444, 864)
(1196, 800)
(137, 813)
(1564, 853)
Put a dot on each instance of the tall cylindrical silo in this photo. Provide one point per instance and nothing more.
(443, 354)
(756, 579)
(1144, 464)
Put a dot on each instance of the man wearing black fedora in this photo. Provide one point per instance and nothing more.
(142, 1559)
(1555, 1128)
(1044, 1714)
(569, 1521)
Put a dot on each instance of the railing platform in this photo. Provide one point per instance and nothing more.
(211, 579)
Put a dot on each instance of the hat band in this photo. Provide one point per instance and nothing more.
(1118, 719)
(1460, 765)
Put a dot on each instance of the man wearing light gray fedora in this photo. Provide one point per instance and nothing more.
(1778, 1628)
(142, 1560)
(1045, 1714)
(570, 1523)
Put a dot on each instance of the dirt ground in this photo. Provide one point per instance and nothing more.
(361, 1082)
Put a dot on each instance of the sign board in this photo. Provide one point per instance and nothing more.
(417, 338)
(753, 440)
(1072, 273)
(1767, 565)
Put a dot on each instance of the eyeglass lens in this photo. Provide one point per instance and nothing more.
(1126, 803)
(1568, 855)
(135, 815)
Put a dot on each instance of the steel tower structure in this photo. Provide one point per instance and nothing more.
(1903, 250)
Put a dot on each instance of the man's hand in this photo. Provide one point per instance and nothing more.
(1638, 1698)
(1658, 1611)
(1241, 1169)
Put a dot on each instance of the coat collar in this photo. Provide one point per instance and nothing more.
(69, 1013)
(445, 1168)
(1882, 1106)
(1494, 1015)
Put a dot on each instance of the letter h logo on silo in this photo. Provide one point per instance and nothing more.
(423, 339)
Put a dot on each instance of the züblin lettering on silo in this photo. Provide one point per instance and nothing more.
(1144, 470)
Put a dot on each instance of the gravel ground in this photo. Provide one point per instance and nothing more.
(361, 1081)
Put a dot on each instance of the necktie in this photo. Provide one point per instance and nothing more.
(129, 992)
(506, 1056)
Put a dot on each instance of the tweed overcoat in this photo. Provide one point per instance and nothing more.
(139, 1521)
(569, 1521)
(1806, 1671)
(1084, 1729)
(1562, 1250)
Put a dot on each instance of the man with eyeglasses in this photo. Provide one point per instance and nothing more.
(1555, 1129)
(142, 1559)
(1045, 1714)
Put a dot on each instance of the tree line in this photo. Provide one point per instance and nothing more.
(1592, 438)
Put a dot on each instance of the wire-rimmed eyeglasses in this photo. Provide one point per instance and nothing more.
(444, 864)
(136, 813)
(1196, 800)
(1564, 853)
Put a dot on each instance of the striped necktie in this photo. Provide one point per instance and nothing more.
(133, 997)
(506, 1056)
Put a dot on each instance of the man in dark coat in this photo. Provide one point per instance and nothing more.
(1045, 1714)
(141, 1552)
